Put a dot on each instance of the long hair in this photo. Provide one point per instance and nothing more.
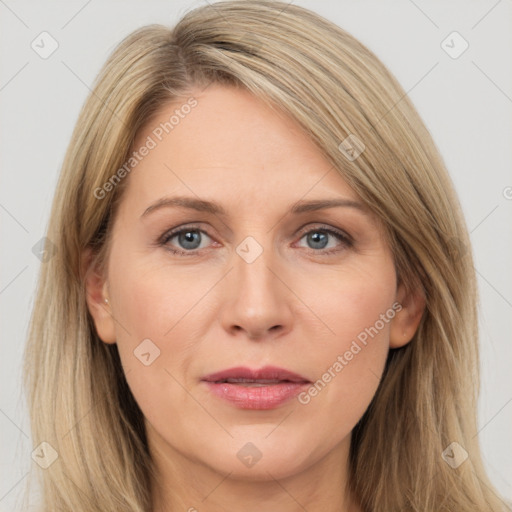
(313, 71)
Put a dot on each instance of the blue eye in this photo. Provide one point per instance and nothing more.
(319, 239)
(189, 240)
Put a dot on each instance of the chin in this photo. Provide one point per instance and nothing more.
(262, 459)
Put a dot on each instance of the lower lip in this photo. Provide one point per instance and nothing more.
(256, 397)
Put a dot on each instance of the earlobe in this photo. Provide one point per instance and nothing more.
(405, 323)
(97, 299)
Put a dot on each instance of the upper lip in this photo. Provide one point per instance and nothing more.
(244, 374)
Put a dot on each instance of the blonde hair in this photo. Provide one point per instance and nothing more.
(308, 68)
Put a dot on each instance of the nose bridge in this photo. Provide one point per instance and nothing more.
(253, 262)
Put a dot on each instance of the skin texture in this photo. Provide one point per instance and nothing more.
(295, 306)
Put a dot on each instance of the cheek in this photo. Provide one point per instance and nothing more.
(151, 299)
(351, 302)
(157, 311)
(356, 311)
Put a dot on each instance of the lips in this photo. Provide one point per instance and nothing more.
(263, 376)
(265, 388)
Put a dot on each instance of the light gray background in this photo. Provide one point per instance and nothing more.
(465, 102)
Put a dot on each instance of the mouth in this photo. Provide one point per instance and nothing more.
(267, 375)
(251, 382)
(264, 388)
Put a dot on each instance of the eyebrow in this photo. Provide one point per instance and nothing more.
(214, 208)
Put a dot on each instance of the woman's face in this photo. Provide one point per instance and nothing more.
(253, 285)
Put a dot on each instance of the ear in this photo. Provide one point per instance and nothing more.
(407, 319)
(96, 291)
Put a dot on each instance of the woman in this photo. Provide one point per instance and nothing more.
(317, 350)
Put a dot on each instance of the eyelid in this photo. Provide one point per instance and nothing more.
(178, 229)
(302, 230)
(325, 227)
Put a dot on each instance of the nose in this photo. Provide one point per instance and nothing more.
(257, 303)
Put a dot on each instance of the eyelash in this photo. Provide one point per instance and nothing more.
(342, 237)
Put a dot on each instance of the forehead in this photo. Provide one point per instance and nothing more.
(226, 143)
